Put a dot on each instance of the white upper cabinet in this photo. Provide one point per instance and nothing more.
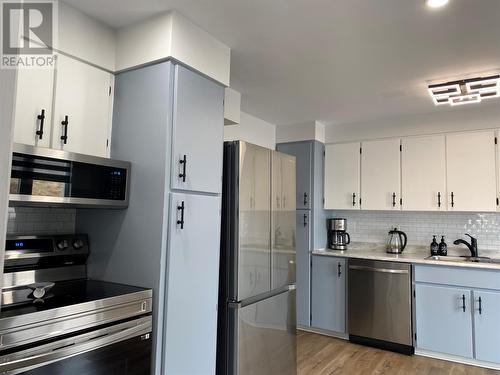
(83, 94)
(471, 171)
(423, 169)
(33, 108)
(381, 174)
(342, 172)
(198, 127)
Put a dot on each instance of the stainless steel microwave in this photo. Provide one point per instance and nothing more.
(46, 177)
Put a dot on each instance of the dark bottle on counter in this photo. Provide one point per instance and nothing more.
(434, 246)
(443, 247)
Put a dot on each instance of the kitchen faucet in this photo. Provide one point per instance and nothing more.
(472, 245)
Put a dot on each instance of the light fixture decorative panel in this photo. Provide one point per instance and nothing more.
(466, 91)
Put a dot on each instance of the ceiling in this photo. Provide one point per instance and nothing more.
(335, 61)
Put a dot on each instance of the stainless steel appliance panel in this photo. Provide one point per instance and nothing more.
(254, 239)
(283, 229)
(264, 340)
(380, 300)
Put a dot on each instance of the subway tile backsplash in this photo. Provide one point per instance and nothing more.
(372, 226)
(25, 220)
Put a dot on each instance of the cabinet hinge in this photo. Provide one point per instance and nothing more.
(496, 140)
(400, 147)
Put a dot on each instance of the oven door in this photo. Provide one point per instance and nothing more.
(123, 349)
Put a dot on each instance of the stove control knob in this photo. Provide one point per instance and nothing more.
(62, 244)
(78, 244)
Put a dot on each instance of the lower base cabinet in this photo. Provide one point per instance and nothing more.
(443, 317)
(328, 297)
(461, 319)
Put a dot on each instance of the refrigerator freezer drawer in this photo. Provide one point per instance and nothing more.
(263, 336)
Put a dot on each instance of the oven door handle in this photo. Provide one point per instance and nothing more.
(68, 348)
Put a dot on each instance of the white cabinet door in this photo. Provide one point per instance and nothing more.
(471, 171)
(198, 127)
(83, 94)
(380, 175)
(342, 163)
(33, 101)
(423, 173)
(192, 285)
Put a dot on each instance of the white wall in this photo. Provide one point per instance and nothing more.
(7, 95)
(474, 117)
(84, 37)
(253, 130)
(313, 130)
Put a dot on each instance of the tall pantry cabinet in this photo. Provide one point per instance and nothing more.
(310, 216)
(168, 121)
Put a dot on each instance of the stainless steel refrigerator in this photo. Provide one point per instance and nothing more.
(257, 311)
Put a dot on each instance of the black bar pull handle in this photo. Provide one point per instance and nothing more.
(183, 162)
(41, 117)
(65, 124)
(353, 199)
(463, 303)
(480, 305)
(305, 199)
(393, 199)
(305, 220)
(439, 199)
(339, 269)
(181, 209)
(452, 199)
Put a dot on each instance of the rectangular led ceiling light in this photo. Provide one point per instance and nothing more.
(467, 91)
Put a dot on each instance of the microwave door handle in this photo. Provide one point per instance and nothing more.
(71, 349)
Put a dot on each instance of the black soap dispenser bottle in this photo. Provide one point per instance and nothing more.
(443, 247)
(434, 246)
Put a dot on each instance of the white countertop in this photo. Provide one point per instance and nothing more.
(411, 254)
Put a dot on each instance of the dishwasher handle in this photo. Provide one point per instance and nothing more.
(381, 270)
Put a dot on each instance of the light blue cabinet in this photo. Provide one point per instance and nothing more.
(192, 290)
(197, 135)
(487, 325)
(328, 295)
(303, 152)
(303, 274)
(443, 319)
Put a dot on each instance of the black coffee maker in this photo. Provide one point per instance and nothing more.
(338, 238)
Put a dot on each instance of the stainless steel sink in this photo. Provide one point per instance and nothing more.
(463, 259)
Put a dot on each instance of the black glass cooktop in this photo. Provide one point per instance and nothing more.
(69, 293)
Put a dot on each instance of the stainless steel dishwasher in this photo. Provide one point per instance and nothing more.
(379, 311)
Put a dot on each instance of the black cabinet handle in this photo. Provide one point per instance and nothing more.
(305, 199)
(463, 302)
(452, 199)
(41, 117)
(183, 162)
(393, 199)
(65, 124)
(439, 199)
(480, 306)
(339, 269)
(181, 209)
(353, 199)
(305, 220)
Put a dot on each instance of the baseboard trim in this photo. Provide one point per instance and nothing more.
(457, 359)
(324, 332)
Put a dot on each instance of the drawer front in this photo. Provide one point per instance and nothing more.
(472, 278)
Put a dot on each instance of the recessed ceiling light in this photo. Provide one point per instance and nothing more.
(437, 3)
(466, 91)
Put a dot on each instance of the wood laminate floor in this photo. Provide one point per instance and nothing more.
(322, 355)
